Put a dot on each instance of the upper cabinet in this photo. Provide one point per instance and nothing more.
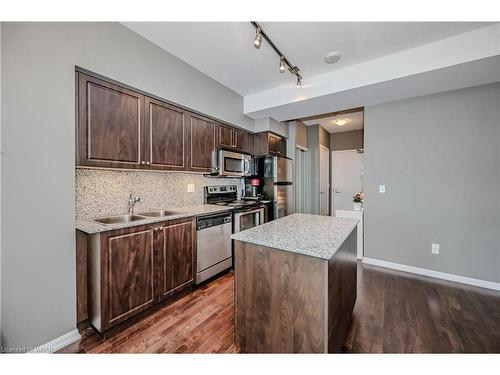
(267, 143)
(202, 144)
(166, 136)
(121, 128)
(225, 136)
(242, 140)
(110, 125)
(233, 138)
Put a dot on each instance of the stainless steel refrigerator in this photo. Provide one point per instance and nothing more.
(277, 176)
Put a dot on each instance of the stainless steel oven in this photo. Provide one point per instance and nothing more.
(231, 163)
(249, 218)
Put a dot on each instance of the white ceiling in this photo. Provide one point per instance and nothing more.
(328, 122)
(225, 52)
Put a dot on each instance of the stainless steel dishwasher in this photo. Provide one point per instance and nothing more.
(214, 253)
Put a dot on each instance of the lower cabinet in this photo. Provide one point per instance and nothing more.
(127, 275)
(177, 253)
(132, 269)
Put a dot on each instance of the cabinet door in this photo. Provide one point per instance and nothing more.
(109, 125)
(225, 136)
(166, 135)
(241, 140)
(127, 275)
(282, 147)
(177, 265)
(202, 144)
(273, 144)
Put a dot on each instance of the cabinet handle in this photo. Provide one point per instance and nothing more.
(148, 163)
(143, 162)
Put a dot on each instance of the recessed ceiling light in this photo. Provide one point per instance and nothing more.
(341, 121)
(332, 57)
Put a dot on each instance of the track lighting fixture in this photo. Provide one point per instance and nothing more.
(284, 62)
(258, 38)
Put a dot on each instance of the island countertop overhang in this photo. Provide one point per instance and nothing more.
(311, 235)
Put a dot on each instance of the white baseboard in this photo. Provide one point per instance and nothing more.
(58, 343)
(435, 274)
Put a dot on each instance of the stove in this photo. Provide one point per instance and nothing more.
(227, 195)
(247, 213)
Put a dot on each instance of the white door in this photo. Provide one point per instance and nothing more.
(347, 180)
(324, 180)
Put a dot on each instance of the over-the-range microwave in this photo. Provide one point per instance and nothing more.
(233, 163)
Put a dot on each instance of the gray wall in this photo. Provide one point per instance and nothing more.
(0, 183)
(301, 134)
(38, 61)
(346, 140)
(438, 156)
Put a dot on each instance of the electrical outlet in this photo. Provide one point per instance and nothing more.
(190, 188)
(435, 248)
(381, 188)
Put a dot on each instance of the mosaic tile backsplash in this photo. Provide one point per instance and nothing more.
(102, 192)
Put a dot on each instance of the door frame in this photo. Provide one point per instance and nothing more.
(329, 180)
(332, 194)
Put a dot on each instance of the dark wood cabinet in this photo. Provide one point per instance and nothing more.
(177, 254)
(121, 128)
(241, 140)
(231, 137)
(282, 147)
(109, 125)
(267, 143)
(166, 135)
(132, 269)
(128, 274)
(202, 144)
(225, 136)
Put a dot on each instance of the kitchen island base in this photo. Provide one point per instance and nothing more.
(293, 303)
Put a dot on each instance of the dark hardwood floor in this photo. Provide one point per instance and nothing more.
(395, 312)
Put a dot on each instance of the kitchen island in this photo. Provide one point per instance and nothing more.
(295, 284)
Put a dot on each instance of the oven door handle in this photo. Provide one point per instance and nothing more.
(251, 211)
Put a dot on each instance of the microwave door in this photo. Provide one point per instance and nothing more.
(283, 170)
(231, 164)
(284, 201)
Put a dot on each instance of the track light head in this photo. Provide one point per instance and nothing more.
(258, 38)
(282, 64)
(299, 81)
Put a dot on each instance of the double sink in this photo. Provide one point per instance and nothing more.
(128, 218)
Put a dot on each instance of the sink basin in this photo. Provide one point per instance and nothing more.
(161, 213)
(119, 219)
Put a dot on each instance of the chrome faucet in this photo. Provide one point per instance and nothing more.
(131, 203)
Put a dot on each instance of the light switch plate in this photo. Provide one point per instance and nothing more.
(381, 188)
(190, 188)
(435, 248)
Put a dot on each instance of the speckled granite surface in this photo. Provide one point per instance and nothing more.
(313, 235)
(89, 226)
(101, 192)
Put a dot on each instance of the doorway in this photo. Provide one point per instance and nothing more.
(347, 178)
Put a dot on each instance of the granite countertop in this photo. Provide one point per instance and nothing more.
(312, 235)
(90, 226)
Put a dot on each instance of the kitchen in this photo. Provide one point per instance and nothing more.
(172, 223)
(129, 263)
